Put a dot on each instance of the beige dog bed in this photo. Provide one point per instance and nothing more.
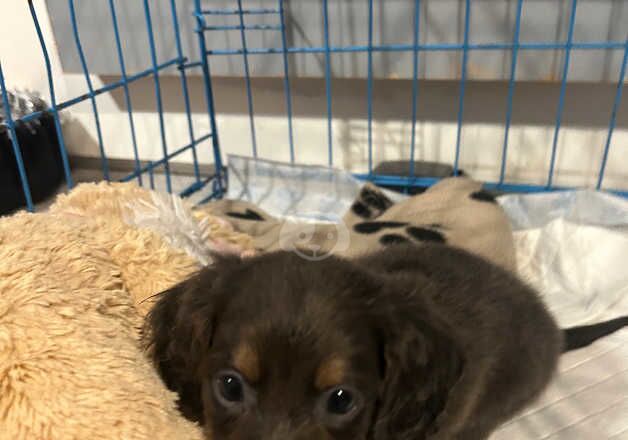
(74, 284)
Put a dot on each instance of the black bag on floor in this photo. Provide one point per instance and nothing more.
(39, 146)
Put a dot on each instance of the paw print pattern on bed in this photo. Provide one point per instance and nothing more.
(455, 211)
(399, 232)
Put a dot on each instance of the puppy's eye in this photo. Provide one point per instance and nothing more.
(340, 406)
(340, 401)
(229, 388)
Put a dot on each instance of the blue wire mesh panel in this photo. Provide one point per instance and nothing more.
(156, 68)
(417, 49)
(239, 19)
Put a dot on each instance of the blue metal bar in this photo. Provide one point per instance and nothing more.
(370, 88)
(191, 65)
(212, 196)
(613, 119)
(251, 27)
(125, 85)
(397, 181)
(258, 11)
(247, 78)
(102, 90)
(184, 86)
(563, 89)
(415, 80)
(160, 110)
(610, 45)
(463, 82)
(328, 95)
(154, 164)
(511, 88)
(196, 186)
(15, 142)
(151, 178)
(90, 87)
(53, 99)
(286, 79)
(209, 94)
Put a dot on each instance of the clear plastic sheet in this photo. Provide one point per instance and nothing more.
(302, 192)
(171, 217)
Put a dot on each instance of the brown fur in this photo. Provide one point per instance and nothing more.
(246, 360)
(330, 373)
(431, 335)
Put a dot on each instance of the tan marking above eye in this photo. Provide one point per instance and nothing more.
(246, 361)
(331, 373)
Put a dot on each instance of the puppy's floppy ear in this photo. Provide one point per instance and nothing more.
(421, 363)
(179, 333)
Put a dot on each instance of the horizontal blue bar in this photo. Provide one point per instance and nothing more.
(505, 187)
(105, 89)
(593, 45)
(252, 27)
(151, 166)
(191, 65)
(254, 11)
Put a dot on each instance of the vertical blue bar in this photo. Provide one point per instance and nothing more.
(90, 87)
(53, 99)
(370, 88)
(563, 88)
(247, 75)
(286, 78)
(125, 85)
(184, 86)
(611, 124)
(330, 153)
(209, 98)
(162, 128)
(415, 80)
(511, 88)
(151, 175)
(463, 82)
(14, 141)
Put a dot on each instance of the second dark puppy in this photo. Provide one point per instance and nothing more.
(408, 343)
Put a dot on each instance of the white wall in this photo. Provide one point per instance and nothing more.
(580, 143)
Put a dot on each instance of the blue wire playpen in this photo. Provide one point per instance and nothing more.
(206, 18)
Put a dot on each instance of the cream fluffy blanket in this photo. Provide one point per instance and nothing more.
(74, 285)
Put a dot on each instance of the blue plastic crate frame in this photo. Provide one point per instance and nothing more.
(239, 10)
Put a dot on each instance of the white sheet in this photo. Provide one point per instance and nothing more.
(588, 399)
(574, 248)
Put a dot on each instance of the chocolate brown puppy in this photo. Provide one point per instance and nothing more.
(408, 343)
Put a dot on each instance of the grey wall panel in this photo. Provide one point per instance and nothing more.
(442, 21)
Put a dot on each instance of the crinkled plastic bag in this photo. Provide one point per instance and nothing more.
(304, 192)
